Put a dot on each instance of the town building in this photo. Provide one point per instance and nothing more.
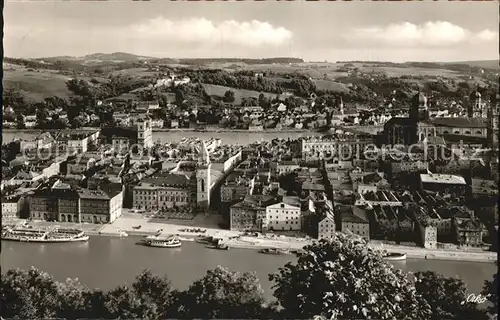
(470, 127)
(282, 216)
(70, 142)
(468, 232)
(493, 122)
(11, 206)
(80, 165)
(236, 186)
(444, 183)
(284, 167)
(42, 141)
(249, 214)
(428, 236)
(64, 203)
(100, 205)
(336, 148)
(163, 192)
(354, 220)
(123, 139)
(377, 198)
(326, 226)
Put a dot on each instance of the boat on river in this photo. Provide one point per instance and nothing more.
(220, 246)
(163, 242)
(394, 256)
(53, 234)
(274, 251)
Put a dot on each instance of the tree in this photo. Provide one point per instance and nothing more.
(229, 96)
(41, 115)
(345, 278)
(76, 300)
(447, 297)
(490, 290)
(221, 294)
(155, 292)
(20, 122)
(31, 294)
(14, 98)
(55, 102)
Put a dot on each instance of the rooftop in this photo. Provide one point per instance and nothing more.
(352, 214)
(166, 180)
(442, 178)
(460, 122)
(485, 187)
(95, 194)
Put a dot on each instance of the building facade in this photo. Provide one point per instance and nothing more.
(493, 122)
(429, 237)
(326, 227)
(282, 216)
(355, 221)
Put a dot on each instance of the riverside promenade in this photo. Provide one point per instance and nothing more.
(128, 223)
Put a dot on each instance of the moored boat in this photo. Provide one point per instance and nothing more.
(394, 256)
(274, 251)
(25, 234)
(163, 242)
(220, 246)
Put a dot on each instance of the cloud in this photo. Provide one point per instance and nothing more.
(487, 35)
(199, 30)
(429, 34)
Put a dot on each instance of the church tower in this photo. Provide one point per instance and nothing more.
(477, 108)
(203, 178)
(144, 133)
(419, 111)
(493, 121)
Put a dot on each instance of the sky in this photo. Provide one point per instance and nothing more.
(313, 31)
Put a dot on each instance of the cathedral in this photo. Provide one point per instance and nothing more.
(481, 123)
(412, 129)
(493, 122)
(477, 107)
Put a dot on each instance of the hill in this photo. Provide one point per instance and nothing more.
(99, 58)
(37, 84)
(128, 57)
(116, 56)
(487, 64)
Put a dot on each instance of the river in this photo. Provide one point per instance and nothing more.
(106, 262)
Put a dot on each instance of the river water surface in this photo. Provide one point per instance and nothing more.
(105, 262)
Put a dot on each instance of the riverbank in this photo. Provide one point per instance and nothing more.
(128, 226)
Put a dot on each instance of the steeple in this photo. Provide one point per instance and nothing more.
(476, 108)
(203, 157)
(418, 106)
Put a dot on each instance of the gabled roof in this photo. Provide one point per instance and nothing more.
(460, 122)
(354, 215)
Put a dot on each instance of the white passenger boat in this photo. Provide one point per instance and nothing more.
(55, 234)
(163, 242)
(395, 256)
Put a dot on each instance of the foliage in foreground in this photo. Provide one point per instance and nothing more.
(340, 279)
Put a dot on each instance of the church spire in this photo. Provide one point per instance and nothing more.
(204, 157)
